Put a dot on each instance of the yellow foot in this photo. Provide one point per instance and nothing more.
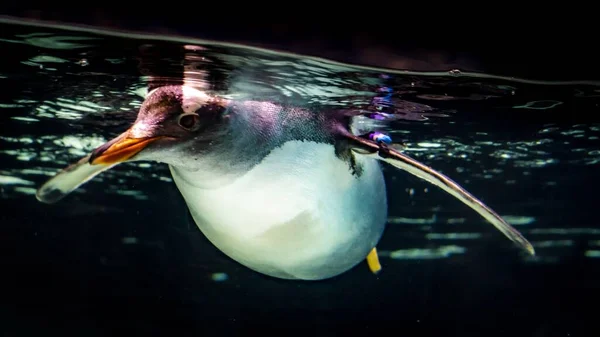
(373, 261)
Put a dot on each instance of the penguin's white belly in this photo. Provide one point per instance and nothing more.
(299, 214)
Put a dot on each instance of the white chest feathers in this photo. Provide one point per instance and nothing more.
(299, 214)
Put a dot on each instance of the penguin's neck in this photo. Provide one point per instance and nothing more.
(254, 130)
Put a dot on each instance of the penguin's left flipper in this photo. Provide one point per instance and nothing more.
(381, 151)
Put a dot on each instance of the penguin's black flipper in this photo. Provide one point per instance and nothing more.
(380, 150)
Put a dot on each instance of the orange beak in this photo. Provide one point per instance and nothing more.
(119, 149)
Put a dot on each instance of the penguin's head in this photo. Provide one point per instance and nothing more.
(172, 121)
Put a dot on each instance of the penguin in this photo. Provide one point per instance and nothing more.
(285, 191)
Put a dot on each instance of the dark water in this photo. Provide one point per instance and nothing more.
(122, 255)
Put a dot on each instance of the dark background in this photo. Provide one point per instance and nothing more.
(520, 39)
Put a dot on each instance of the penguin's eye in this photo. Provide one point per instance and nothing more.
(189, 122)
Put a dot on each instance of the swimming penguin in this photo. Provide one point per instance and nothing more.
(282, 190)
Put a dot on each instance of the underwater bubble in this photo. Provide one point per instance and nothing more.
(426, 253)
(219, 277)
(592, 253)
(452, 236)
(10, 180)
(129, 240)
